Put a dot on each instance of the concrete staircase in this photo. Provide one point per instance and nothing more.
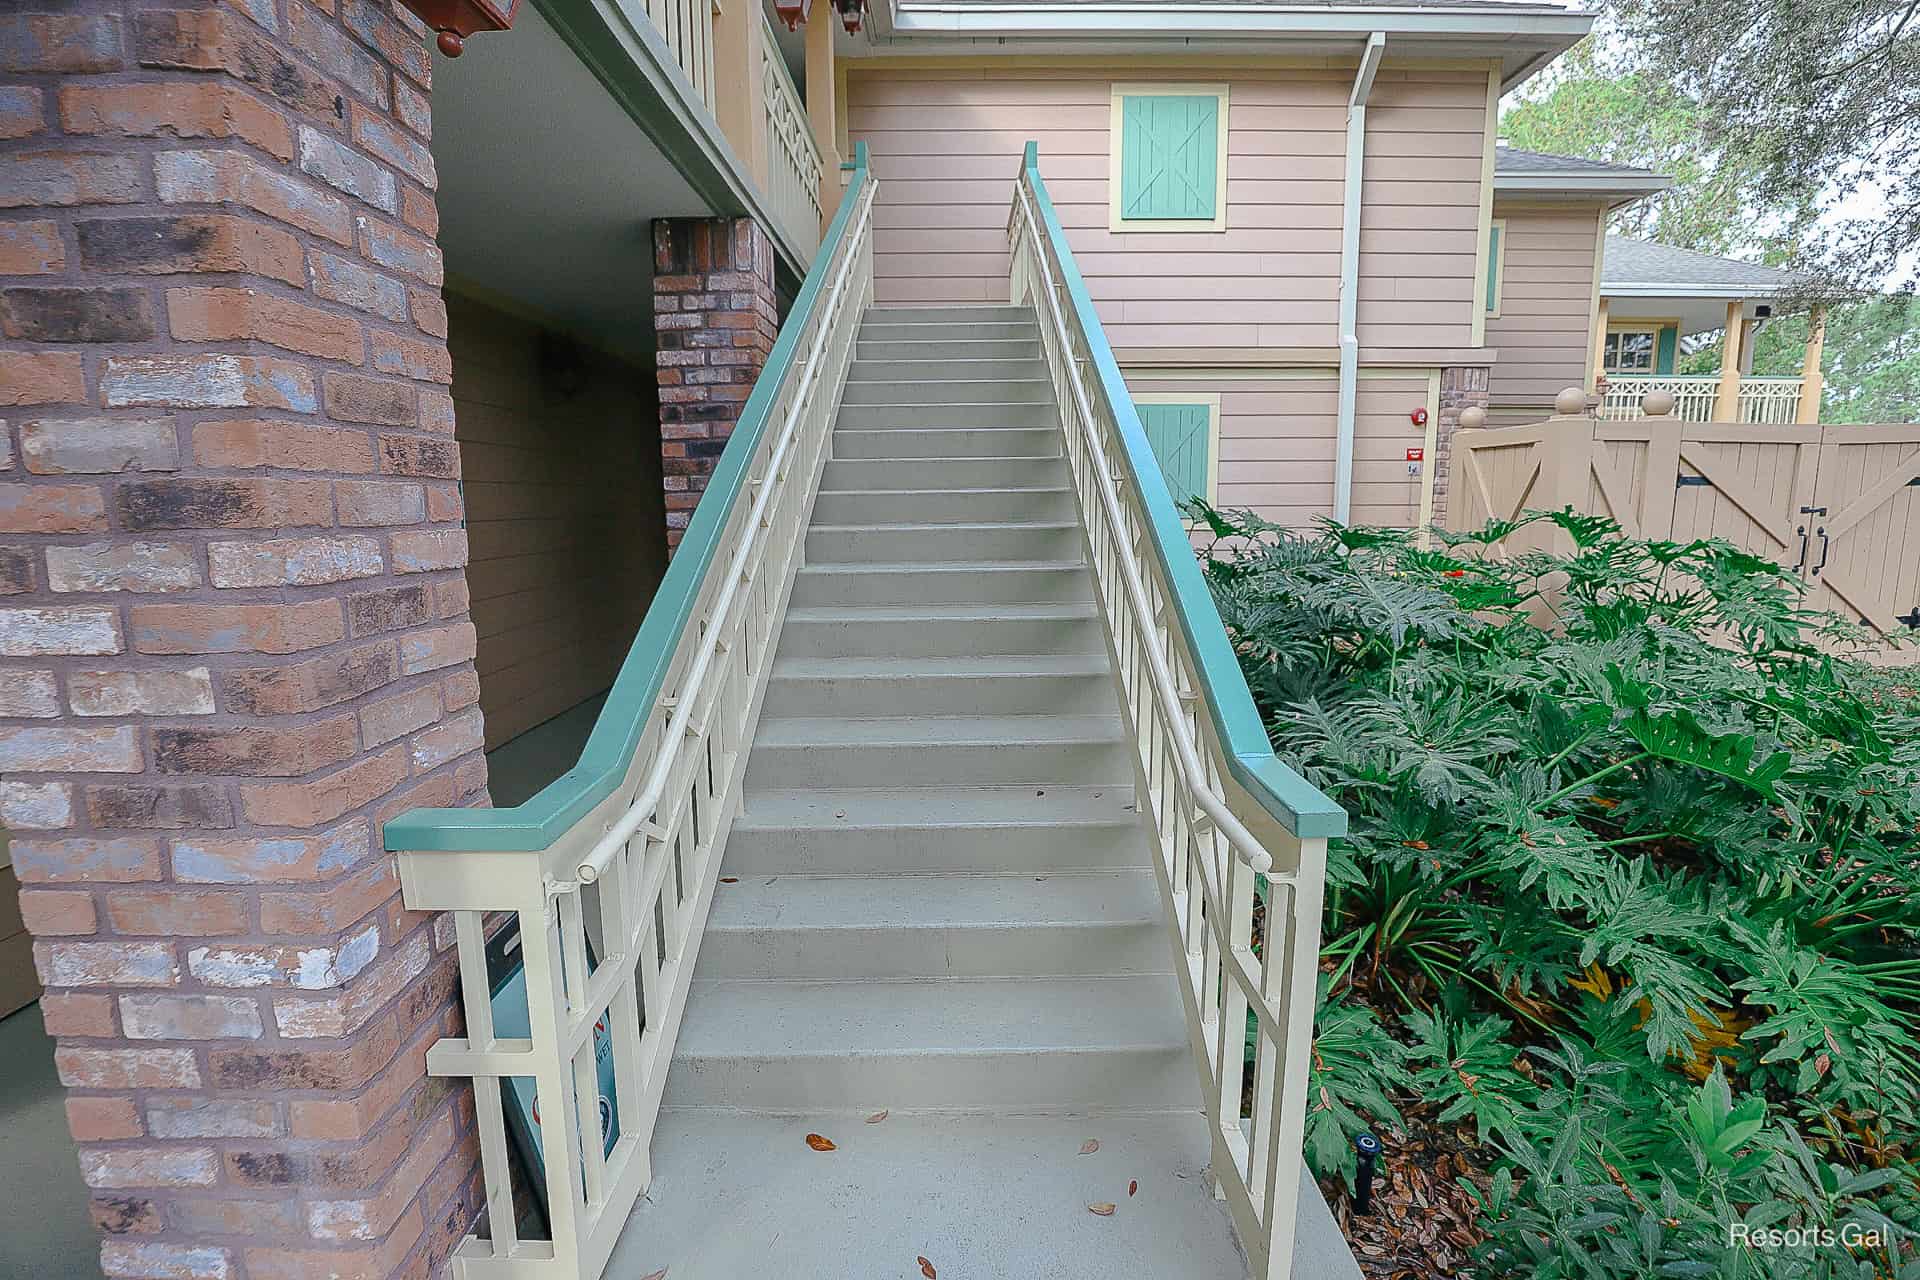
(936, 902)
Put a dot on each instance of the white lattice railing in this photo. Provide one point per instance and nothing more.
(609, 872)
(1694, 396)
(687, 27)
(793, 158)
(1207, 779)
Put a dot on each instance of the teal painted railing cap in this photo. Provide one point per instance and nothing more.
(604, 762)
(1294, 802)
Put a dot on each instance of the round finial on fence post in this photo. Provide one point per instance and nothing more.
(1472, 418)
(1657, 404)
(1569, 402)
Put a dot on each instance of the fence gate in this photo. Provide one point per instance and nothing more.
(1837, 506)
(1864, 530)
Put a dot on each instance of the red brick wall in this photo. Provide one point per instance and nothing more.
(715, 319)
(233, 621)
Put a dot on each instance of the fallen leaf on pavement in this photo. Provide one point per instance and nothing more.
(876, 1117)
(819, 1143)
(1090, 1146)
(1104, 1209)
(926, 1268)
(1133, 1187)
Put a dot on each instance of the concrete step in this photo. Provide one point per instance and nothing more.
(840, 928)
(945, 473)
(939, 751)
(955, 389)
(955, 332)
(940, 630)
(988, 582)
(1020, 829)
(984, 443)
(903, 411)
(960, 363)
(947, 313)
(944, 543)
(933, 505)
(994, 1044)
(912, 348)
(977, 1196)
(994, 684)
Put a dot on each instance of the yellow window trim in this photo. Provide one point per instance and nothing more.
(1164, 89)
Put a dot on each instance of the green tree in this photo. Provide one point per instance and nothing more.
(1872, 358)
(1824, 97)
(1593, 104)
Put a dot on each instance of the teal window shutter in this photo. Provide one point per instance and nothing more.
(1493, 268)
(1181, 436)
(1669, 348)
(1169, 156)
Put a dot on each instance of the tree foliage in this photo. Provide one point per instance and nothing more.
(1822, 95)
(1631, 896)
(1600, 107)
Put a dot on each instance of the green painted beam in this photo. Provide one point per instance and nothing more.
(1292, 800)
(541, 820)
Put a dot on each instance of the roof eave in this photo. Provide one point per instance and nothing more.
(1675, 289)
(1589, 184)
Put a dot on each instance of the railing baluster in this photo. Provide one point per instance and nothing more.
(1205, 856)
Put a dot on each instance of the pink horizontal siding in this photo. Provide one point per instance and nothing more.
(1277, 444)
(1544, 329)
(946, 145)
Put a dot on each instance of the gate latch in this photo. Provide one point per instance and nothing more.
(1912, 619)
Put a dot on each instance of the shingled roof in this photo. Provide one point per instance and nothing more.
(1641, 266)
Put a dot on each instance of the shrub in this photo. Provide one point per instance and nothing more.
(1629, 885)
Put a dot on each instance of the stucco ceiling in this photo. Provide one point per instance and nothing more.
(547, 187)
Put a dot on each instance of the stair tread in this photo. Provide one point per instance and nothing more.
(753, 1017)
(943, 566)
(918, 808)
(993, 666)
(894, 526)
(937, 612)
(935, 901)
(936, 731)
(941, 490)
(978, 1196)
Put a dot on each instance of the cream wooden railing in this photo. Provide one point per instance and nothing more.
(793, 158)
(687, 27)
(1229, 823)
(1762, 400)
(611, 869)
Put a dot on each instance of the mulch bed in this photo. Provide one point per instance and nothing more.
(1422, 1223)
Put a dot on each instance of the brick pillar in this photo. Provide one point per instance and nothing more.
(233, 622)
(1460, 387)
(715, 317)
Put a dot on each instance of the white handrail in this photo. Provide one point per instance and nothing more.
(609, 874)
(637, 813)
(1165, 692)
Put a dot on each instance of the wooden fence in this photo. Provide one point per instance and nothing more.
(1838, 506)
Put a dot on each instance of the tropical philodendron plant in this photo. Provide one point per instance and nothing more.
(1629, 895)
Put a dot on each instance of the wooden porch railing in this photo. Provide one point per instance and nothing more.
(1695, 397)
(687, 27)
(793, 157)
(609, 871)
(1227, 820)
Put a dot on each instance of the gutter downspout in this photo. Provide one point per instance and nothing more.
(1350, 275)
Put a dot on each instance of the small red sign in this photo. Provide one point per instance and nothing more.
(1416, 455)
